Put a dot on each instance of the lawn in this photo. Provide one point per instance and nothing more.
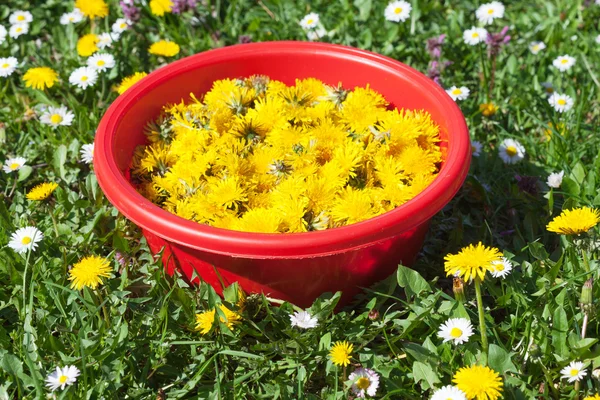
(88, 312)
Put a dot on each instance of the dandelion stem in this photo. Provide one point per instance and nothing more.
(484, 341)
(336, 382)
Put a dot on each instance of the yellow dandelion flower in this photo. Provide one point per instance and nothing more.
(352, 206)
(472, 261)
(87, 45)
(88, 271)
(164, 48)
(488, 109)
(340, 353)
(42, 191)
(40, 78)
(478, 382)
(160, 7)
(92, 8)
(560, 128)
(205, 320)
(575, 221)
(594, 397)
(129, 81)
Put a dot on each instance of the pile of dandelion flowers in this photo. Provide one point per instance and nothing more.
(472, 261)
(88, 272)
(575, 221)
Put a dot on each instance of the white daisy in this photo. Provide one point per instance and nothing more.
(17, 30)
(536, 47)
(104, 40)
(398, 11)
(555, 179)
(310, 21)
(573, 372)
(548, 88)
(87, 153)
(457, 330)
(120, 25)
(501, 268)
(72, 17)
(561, 102)
(365, 382)
(62, 377)
(511, 151)
(7, 66)
(564, 63)
(25, 239)
(56, 116)
(476, 148)
(487, 13)
(83, 77)
(449, 393)
(474, 36)
(458, 93)
(303, 319)
(20, 17)
(13, 164)
(101, 62)
(3, 34)
(316, 34)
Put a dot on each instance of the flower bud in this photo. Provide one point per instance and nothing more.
(373, 315)
(586, 300)
(458, 287)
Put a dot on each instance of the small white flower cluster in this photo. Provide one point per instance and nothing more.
(311, 23)
(72, 17)
(8, 65)
(19, 21)
(486, 14)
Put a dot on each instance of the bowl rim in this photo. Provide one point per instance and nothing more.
(173, 228)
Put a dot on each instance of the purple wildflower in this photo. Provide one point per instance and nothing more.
(130, 11)
(434, 46)
(181, 6)
(496, 40)
(244, 39)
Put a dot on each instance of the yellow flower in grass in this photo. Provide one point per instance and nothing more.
(87, 45)
(40, 78)
(160, 7)
(340, 353)
(129, 81)
(488, 109)
(472, 261)
(88, 272)
(594, 397)
(164, 48)
(478, 382)
(42, 191)
(92, 8)
(575, 221)
(206, 319)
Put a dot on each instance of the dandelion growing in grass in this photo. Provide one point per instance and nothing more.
(83, 77)
(310, 21)
(160, 7)
(478, 382)
(472, 261)
(88, 272)
(564, 63)
(205, 320)
(42, 191)
(303, 319)
(20, 17)
(449, 393)
(475, 36)
(555, 179)
(87, 45)
(575, 221)
(13, 164)
(501, 268)
(365, 382)
(129, 81)
(594, 397)
(17, 30)
(8, 65)
(511, 151)
(397, 11)
(458, 93)
(57, 116)
(487, 13)
(456, 330)
(164, 48)
(87, 153)
(573, 372)
(40, 78)
(488, 109)
(101, 62)
(561, 102)
(25, 239)
(340, 353)
(92, 8)
(536, 47)
(62, 377)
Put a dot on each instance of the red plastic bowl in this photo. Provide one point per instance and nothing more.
(301, 266)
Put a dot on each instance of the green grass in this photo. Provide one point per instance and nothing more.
(134, 337)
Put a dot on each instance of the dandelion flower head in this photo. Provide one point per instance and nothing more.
(42, 191)
(340, 353)
(478, 382)
(40, 78)
(472, 261)
(88, 272)
(575, 221)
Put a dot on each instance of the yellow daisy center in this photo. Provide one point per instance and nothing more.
(490, 11)
(363, 383)
(71, 19)
(310, 21)
(398, 10)
(564, 61)
(511, 151)
(536, 47)
(475, 35)
(14, 166)
(56, 119)
(19, 30)
(561, 102)
(26, 240)
(62, 379)
(21, 18)
(100, 63)
(84, 78)
(123, 25)
(499, 267)
(5, 65)
(456, 332)
(456, 91)
(573, 372)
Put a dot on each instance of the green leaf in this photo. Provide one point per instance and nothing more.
(571, 186)
(11, 365)
(24, 173)
(364, 9)
(500, 360)
(560, 327)
(578, 173)
(59, 159)
(424, 373)
(412, 282)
